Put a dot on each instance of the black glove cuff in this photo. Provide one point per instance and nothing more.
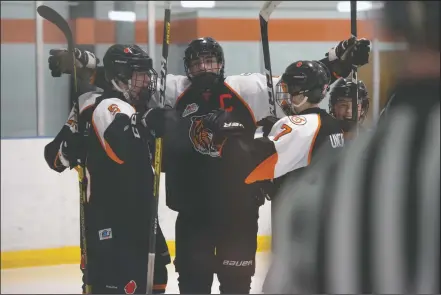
(154, 121)
(341, 68)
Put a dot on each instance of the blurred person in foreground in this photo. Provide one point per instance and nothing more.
(367, 220)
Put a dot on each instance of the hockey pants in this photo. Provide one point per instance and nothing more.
(208, 244)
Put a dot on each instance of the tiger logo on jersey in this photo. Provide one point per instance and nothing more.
(202, 138)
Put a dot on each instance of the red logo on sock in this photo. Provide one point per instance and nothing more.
(82, 265)
(130, 287)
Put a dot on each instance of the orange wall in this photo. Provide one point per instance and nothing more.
(222, 29)
(387, 59)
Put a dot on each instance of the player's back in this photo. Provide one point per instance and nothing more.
(327, 135)
(120, 174)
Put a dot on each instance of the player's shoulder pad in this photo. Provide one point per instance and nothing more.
(297, 125)
(178, 79)
(244, 81)
(176, 85)
(249, 87)
(181, 83)
(87, 100)
(253, 78)
(252, 87)
(106, 111)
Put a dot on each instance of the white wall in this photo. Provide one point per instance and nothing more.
(39, 207)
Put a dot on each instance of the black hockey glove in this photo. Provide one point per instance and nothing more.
(267, 123)
(60, 63)
(149, 123)
(223, 123)
(72, 150)
(267, 189)
(351, 52)
(208, 133)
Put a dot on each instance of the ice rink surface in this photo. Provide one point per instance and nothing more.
(66, 279)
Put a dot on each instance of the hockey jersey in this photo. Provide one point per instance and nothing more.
(290, 145)
(249, 88)
(195, 182)
(120, 181)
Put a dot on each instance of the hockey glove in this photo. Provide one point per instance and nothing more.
(208, 133)
(351, 52)
(223, 123)
(60, 63)
(149, 123)
(72, 150)
(267, 124)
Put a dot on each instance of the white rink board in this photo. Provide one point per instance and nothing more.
(39, 207)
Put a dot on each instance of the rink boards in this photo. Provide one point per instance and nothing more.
(40, 212)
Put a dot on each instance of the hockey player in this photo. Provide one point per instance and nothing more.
(305, 126)
(119, 171)
(288, 145)
(216, 227)
(340, 102)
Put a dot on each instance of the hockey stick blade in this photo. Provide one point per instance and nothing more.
(54, 17)
(268, 9)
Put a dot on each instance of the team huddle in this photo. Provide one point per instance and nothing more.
(224, 154)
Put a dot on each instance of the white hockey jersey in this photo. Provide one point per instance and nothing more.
(249, 87)
(291, 143)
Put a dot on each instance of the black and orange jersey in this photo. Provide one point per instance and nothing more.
(192, 180)
(119, 171)
(52, 151)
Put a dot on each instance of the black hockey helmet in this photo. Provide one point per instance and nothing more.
(310, 78)
(346, 88)
(130, 70)
(204, 61)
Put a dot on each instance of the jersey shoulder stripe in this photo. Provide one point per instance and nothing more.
(88, 99)
(103, 116)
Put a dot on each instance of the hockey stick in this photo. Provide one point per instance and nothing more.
(158, 153)
(354, 68)
(55, 18)
(264, 14)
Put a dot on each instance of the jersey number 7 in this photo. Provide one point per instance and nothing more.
(285, 130)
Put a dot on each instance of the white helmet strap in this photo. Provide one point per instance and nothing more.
(305, 99)
(124, 92)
